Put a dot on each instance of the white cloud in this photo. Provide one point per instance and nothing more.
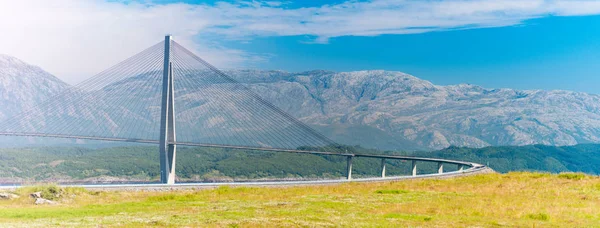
(76, 38)
(376, 17)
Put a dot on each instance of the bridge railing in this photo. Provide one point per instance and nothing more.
(462, 166)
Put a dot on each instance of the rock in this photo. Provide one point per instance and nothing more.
(375, 109)
(6, 195)
(39, 201)
(36, 195)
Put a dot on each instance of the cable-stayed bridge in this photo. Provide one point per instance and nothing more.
(167, 95)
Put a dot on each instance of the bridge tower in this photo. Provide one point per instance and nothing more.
(167, 139)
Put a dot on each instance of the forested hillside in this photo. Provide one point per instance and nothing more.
(140, 164)
(579, 158)
(124, 164)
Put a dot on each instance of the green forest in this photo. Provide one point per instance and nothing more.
(140, 163)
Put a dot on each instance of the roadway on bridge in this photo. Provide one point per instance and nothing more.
(480, 169)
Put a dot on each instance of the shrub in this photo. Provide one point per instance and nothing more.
(391, 191)
(539, 216)
(572, 176)
(52, 191)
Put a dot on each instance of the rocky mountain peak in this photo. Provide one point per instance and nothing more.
(11, 67)
(7, 60)
(23, 85)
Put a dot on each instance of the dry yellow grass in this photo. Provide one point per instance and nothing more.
(490, 200)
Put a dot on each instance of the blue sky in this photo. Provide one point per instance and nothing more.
(521, 44)
(547, 53)
(550, 52)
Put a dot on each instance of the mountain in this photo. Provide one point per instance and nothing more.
(24, 86)
(376, 109)
(393, 107)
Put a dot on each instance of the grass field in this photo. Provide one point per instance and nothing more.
(488, 200)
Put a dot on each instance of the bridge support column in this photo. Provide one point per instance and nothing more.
(440, 167)
(171, 153)
(349, 167)
(167, 140)
(414, 168)
(383, 168)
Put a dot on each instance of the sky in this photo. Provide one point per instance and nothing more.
(520, 44)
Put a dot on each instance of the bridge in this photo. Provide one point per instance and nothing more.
(143, 98)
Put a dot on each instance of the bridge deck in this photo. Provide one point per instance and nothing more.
(242, 148)
(135, 187)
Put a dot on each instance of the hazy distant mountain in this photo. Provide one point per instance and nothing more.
(396, 110)
(386, 110)
(24, 86)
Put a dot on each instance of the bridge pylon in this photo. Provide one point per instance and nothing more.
(167, 139)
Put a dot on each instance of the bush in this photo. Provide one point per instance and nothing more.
(52, 191)
(539, 216)
(391, 191)
(572, 176)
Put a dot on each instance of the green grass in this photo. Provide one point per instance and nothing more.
(491, 200)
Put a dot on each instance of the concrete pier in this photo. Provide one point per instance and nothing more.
(349, 167)
(383, 168)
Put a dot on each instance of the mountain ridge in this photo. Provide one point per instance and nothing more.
(383, 109)
(417, 98)
(24, 86)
